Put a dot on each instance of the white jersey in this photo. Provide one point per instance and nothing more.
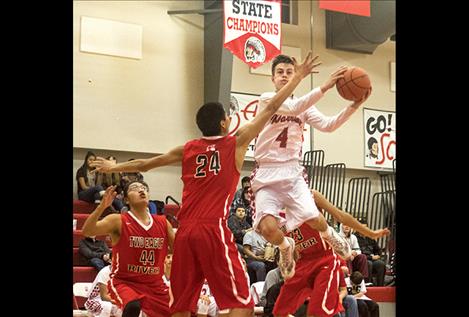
(281, 140)
(94, 304)
(103, 278)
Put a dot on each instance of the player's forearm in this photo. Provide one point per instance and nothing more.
(302, 104)
(89, 227)
(353, 223)
(130, 166)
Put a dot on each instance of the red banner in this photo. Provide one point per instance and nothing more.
(358, 7)
(252, 30)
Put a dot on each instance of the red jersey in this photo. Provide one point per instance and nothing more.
(309, 242)
(210, 178)
(139, 255)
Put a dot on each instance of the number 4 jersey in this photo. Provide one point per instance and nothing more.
(281, 139)
(210, 178)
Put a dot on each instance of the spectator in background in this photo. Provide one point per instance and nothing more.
(349, 302)
(245, 183)
(370, 248)
(272, 278)
(356, 287)
(99, 302)
(95, 252)
(357, 261)
(244, 202)
(127, 177)
(88, 188)
(239, 226)
(254, 246)
(113, 179)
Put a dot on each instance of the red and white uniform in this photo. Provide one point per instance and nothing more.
(138, 265)
(317, 277)
(94, 304)
(278, 182)
(204, 247)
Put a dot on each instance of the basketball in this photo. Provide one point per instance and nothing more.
(354, 85)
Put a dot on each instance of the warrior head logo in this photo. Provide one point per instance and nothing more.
(254, 50)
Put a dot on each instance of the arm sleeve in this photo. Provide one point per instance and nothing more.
(293, 107)
(324, 123)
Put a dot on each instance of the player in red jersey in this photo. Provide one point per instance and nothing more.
(140, 242)
(204, 245)
(318, 267)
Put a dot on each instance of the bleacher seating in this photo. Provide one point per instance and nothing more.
(381, 293)
(81, 218)
(82, 207)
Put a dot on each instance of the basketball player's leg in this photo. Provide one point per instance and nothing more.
(301, 208)
(223, 268)
(267, 220)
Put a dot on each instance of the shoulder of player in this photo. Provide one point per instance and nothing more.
(267, 95)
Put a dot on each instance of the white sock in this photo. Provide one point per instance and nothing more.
(284, 244)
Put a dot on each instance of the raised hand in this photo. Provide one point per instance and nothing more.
(339, 73)
(306, 68)
(108, 197)
(102, 165)
(358, 103)
(380, 233)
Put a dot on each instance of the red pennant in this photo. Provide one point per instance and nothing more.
(358, 7)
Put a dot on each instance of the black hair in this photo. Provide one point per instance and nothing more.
(245, 179)
(126, 187)
(280, 59)
(356, 278)
(85, 163)
(208, 118)
(84, 168)
(363, 220)
(276, 255)
(371, 141)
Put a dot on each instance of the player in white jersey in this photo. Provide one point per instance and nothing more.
(99, 302)
(278, 181)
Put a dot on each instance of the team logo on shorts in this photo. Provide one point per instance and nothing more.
(254, 50)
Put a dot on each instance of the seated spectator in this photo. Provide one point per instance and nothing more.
(94, 252)
(99, 302)
(357, 261)
(243, 202)
(356, 287)
(370, 248)
(128, 177)
(239, 226)
(245, 183)
(206, 305)
(254, 246)
(88, 188)
(349, 302)
(273, 277)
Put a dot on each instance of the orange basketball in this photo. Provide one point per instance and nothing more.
(354, 85)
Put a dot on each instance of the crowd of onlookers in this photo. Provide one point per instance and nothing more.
(365, 267)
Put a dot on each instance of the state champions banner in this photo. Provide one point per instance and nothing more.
(243, 108)
(252, 30)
